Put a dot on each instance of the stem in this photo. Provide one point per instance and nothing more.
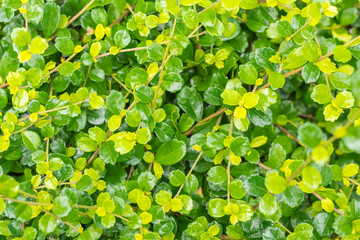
(87, 74)
(161, 67)
(84, 206)
(47, 150)
(94, 155)
(119, 216)
(189, 173)
(320, 198)
(229, 162)
(284, 227)
(67, 60)
(353, 181)
(264, 166)
(122, 84)
(4, 85)
(288, 134)
(212, 5)
(163, 61)
(27, 202)
(196, 161)
(28, 194)
(205, 120)
(194, 31)
(62, 183)
(67, 223)
(298, 170)
(79, 13)
(346, 126)
(23, 129)
(121, 17)
(328, 85)
(55, 109)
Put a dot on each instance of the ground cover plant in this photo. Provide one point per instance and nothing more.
(179, 119)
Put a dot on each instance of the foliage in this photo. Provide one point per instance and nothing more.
(180, 119)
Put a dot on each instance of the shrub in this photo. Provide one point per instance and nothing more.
(179, 119)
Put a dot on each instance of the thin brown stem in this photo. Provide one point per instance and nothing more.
(264, 166)
(320, 198)
(288, 134)
(189, 173)
(190, 131)
(67, 223)
(298, 170)
(121, 17)
(229, 162)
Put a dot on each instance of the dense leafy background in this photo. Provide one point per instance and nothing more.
(179, 119)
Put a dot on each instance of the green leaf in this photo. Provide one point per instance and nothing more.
(47, 223)
(311, 177)
(115, 102)
(321, 94)
(255, 186)
(293, 196)
(352, 139)
(342, 54)
(273, 233)
(107, 153)
(216, 207)
(145, 94)
(191, 19)
(62, 206)
(86, 144)
(340, 80)
(51, 19)
(248, 4)
(136, 76)
(156, 52)
(268, 205)
(248, 73)
(133, 118)
(170, 152)
(348, 16)
(67, 69)
(108, 221)
(276, 80)
(277, 156)
(323, 224)
(60, 83)
(342, 226)
(177, 178)
(31, 140)
(172, 82)
(275, 183)
(240, 146)
(310, 51)
(146, 181)
(217, 175)
(234, 231)
(310, 72)
(259, 118)
(189, 100)
(122, 38)
(237, 190)
(23, 212)
(231, 97)
(262, 56)
(65, 45)
(309, 134)
(20, 36)
(283, 28)
(3, 99)
(85, 183)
